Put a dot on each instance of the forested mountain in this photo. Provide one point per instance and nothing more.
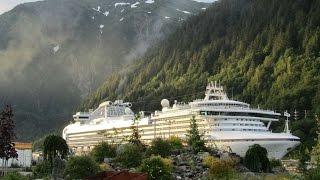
(55, 52)
(264, 52)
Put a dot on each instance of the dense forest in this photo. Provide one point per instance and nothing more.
(264, 52)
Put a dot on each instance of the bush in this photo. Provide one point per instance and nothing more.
(275, 163)
(220, 168)
(79, 167)
(256, 159)
(14, 176)
(160, 147)
(42, 169)
(157, 168)
(129, 155)
(313, 174)
(15, 165)
(103, 150)
(175, 143)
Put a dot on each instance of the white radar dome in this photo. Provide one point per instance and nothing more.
(127, 110)
(165, 103)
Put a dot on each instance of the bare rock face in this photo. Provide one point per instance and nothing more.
(189, 166)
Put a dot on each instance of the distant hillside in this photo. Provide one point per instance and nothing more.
(55, 52)
(265, 52)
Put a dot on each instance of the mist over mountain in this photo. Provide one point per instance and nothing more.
(266, 53)
(54, 53)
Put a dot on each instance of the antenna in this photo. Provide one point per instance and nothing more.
(286, 128)
(232, 93)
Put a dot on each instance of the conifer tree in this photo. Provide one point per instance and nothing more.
(315, 154)
(195, 139)
(135, 136)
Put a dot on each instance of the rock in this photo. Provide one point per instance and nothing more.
(249, 175)
(107, 160)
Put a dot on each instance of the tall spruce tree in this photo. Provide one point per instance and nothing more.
(135, 136)
(195, 140)
(7, 137)
(315, 154)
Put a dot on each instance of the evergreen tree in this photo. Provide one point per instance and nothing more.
(7, 137)
(315, 154)
(135, 136)
(195, 139)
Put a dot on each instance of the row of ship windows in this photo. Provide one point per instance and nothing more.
(229, 124)
(258, 130)
(217, 113)
(241, 119)
(224, 104)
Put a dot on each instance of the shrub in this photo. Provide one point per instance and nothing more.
(58, 168)
(157, 168)
(104, 166)
(275, 163)
(103, 150)
(160, 147)
(175, 142)
(256, 159)
(15, 165)
(129, 155)
(42, 169)
(220, 168)
(79, 167)
(14, 176)
(313, 174)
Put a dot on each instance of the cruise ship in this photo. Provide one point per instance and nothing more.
(227, 125)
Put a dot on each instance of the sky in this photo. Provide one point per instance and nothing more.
(7, 5)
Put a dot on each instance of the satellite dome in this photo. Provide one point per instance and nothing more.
(165, 103)
(127, 110)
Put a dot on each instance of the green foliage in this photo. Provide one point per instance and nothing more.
(315, 154)
(103, 150)
(54, 146)
(42, 169)
(312, 174)
(135, 136)
(220, 168)
(175, 142)
(275, 163)
(79, 167)
(160, 147)
(256, 159)
(157, 168)
(129, 155)
(195, 140)
(14, 176)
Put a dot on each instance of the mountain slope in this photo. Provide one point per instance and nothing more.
(55, 52)
(265, 53)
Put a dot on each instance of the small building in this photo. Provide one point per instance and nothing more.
(24, 159)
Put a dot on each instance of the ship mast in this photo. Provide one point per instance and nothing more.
(215, 91)
(286, 127)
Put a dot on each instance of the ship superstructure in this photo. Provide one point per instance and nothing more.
(226, 124)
